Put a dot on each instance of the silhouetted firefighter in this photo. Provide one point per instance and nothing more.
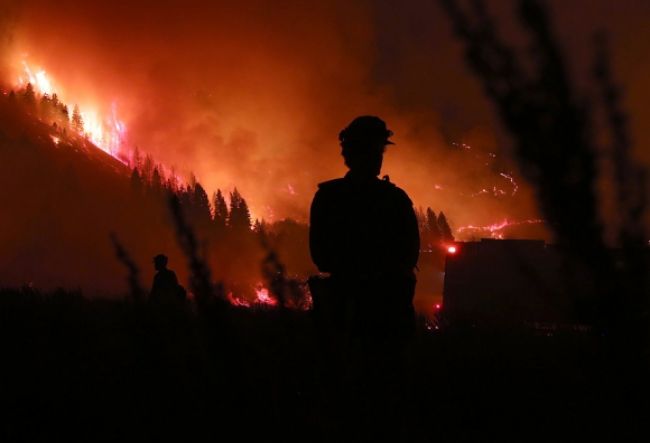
(165, 286)
(363, 231)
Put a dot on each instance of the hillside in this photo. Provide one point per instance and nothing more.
(62, 197)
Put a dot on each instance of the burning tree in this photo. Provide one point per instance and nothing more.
(77, 120)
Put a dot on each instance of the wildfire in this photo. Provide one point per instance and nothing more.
(262, 298)
(515, 186)
(494, 191)
(236, 301)
(495, 230)
(105, 132)
(39, 79)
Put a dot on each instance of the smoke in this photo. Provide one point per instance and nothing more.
(253, 94)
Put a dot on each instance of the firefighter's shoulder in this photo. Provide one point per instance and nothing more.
(331, 185)
(397, 193)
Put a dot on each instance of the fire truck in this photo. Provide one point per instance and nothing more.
(509, 282)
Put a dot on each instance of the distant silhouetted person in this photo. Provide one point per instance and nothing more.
(364, 232)
(165, 284)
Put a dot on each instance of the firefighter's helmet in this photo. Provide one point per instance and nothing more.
(365, 130)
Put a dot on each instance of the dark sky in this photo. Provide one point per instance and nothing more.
(253, 93)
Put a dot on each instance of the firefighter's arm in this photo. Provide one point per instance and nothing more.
(411, 233)
(318, 235)
(413, 243)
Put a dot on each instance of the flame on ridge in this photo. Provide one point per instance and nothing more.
(495, 229)
(106, 132)
(262, 297)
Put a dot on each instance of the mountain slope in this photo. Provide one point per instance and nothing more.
(60, 198)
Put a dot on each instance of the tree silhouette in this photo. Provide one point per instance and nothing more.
(55, 101)
(45, 107)
(240, 217)
(77, 120)
(136, 181)
(258, 227)
(433, 230)
(221, 212)
(156, 180)
(200, 207)
(147, 168)
(443, 226)
(64, 114)
(136, 159)
(421, 218)
(29, 96)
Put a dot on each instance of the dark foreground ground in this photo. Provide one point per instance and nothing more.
(114, 370)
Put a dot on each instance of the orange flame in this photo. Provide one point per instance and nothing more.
(495, 230)
(263, 296)
(106, 132)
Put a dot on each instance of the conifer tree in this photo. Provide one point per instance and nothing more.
(245, 214)
(220, 210)
(186, 198)
(433, 230)
(136, 159)
(147, 168)
(201, 205)
(136, 180)
(156, 180)
(445, 230)
(29, 96)
(172, 181)
(421, 218)
(77, 120)
(64, 114)
(44, 106)
(259, 227)
(240, 217)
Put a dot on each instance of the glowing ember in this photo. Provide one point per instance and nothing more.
(494, 191)
(263, 296)
(235, 301)
(451, 249)
(495, 230)
(515, 186)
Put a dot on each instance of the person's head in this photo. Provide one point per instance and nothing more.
(363, 143)
(160, 262)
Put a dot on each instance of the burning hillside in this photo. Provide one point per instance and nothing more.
(67, 115)
(66, 196)
(107, 132)
(234, 98)
(229, 236)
